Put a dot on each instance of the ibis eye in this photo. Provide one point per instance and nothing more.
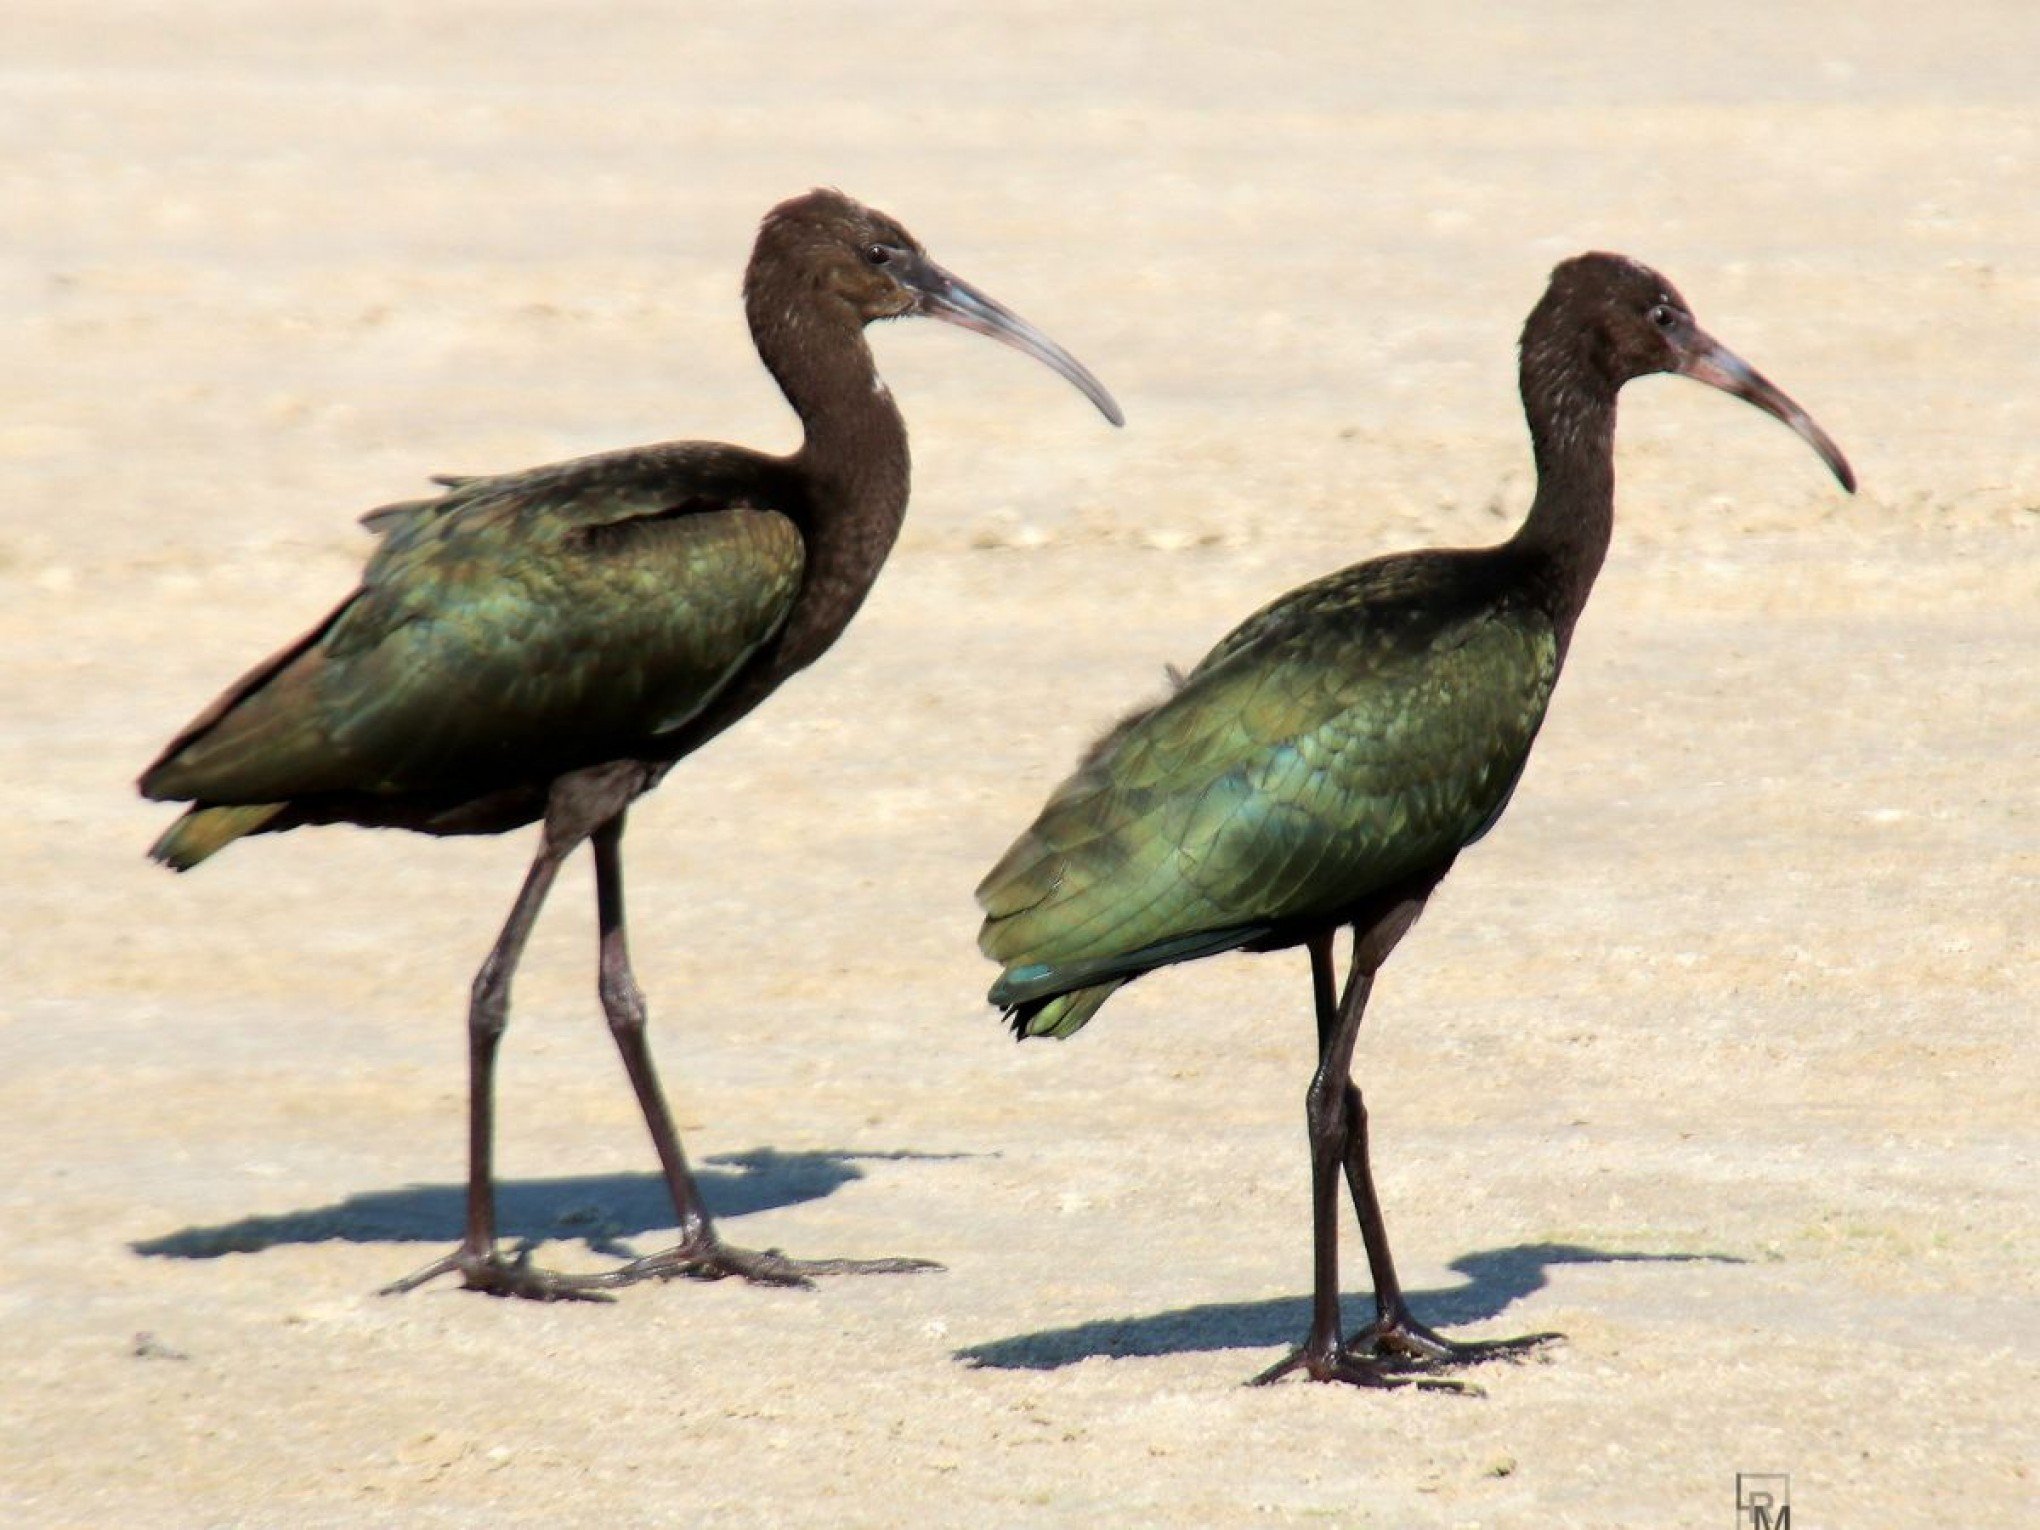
(877, 254)
(1664, 316)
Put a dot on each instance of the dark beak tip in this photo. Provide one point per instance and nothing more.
(1837, 464)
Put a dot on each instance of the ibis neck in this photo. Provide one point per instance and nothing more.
(853, 459)
(1566, 534)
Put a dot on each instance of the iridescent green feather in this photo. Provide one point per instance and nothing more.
(1348, 736)
(512, 628)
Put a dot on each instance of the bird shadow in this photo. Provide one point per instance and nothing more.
(600, 1210)
(1496, 1279)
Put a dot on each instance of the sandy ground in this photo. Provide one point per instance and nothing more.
(1715, 1056)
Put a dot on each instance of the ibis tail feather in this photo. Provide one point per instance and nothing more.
(204, 831)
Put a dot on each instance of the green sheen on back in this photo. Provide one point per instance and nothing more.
(1357, 731)
(512, 628)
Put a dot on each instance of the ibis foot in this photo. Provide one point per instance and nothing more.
(716, 1260)
(1398, 1338)
(497, 1275)
(1342, 1363)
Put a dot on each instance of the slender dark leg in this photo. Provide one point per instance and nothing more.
(1325, 1355)
(1395, 1332)
(479, 1263)
(700, 1252)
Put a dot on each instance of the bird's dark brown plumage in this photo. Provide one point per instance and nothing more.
(545, 645)
(1327, 762)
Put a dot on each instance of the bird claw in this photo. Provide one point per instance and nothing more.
(1404, 1342)
(1398, 1351)
(1341, 1363)
(495, 1275)
(716, 1260)
(500, 1275)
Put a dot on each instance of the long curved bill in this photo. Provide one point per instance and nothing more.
(955, 301)
(1707, 360)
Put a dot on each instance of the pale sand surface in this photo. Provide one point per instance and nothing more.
(1715, 1056)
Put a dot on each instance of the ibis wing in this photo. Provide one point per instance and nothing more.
(513, 628)
(1301, 767)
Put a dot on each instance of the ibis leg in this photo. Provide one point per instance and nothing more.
(478, 1261)
(1324, 1354)
(700, 1253)
(1395, 1331)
